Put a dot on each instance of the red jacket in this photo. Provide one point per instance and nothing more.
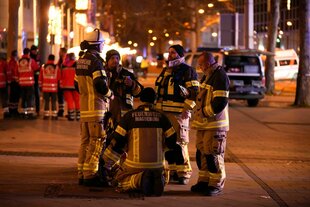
(5, 74)
(49, 77)
(13, 67)
(67, 74)
(26, 69)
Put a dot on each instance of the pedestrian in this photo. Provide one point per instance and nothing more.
(124, 85)
(26, 69)
(36, 58)
(48, 81)
(14, 87)
(5, 81)
(71, 95)
(143, 134)
(60, 93)
(177, 87)
(212, 123)
(92, 84)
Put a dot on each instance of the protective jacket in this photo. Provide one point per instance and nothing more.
(141, 133)
(123, 95)
(211, 112)
(26, 69)
(13, 67)
(169, 92)
(92, 83)
(49, 77)
(67, 74)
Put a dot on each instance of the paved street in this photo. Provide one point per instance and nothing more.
(267, 162)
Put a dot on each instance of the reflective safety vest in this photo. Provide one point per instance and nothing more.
(49, 77)
(13, 67)
(25, 72)
(209, 90)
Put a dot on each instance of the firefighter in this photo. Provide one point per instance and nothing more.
(212, 124)
(177, 87)
(5, 80)
(124, 85)
(26, 69)
(143, 134)
(92, 84)
(60, 93)
(71, 95)
(48, 81)
(14, 88)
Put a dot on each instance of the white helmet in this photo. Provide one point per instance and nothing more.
(94, 38)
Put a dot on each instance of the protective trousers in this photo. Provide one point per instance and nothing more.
(178, 159)
(210, 157)
(92, 139)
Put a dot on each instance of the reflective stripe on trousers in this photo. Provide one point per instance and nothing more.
(92, 138)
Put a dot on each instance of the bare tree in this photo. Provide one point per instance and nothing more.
(274, 16)
(302, 97)
(13, 25)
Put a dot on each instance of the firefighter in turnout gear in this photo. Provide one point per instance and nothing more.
(212, 123)
(48, 81)
(124, 85)
(143, 134)
(177, 87)
(92, 83)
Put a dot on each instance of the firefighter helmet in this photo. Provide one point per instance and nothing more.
(94, 38)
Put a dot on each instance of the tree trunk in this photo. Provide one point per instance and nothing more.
(302, 97)
(13, 26)
(274, 16)
(43, 29)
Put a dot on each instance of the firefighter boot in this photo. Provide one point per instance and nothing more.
(70, 115)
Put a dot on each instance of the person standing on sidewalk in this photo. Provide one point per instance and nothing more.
(71, 95)
(35, 57)
(5, 81)
(92, 83)
(124, 85)
(212, 123)
(26, 69)
(48, 81)
(143, 134)
(60, 93)
(177, 87)
(15, 88)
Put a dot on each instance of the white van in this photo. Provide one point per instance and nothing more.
(286, 64)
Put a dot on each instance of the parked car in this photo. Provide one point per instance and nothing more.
(286, 64)
(244, 69)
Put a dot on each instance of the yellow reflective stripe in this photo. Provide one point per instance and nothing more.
(169, 132)
(208, 110)
(203, 174)
(210, 125)
(195, 83)
(136, 144)
(172, 109)
(133, 164)
(92, 113)
(174, 104)
(120, 130)
(103, 73)
(183, 168)
(204, 85)
(220, 93)
(111, 155)
(188, 84)
(97, 74)
(190, 103)
(170, 90)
